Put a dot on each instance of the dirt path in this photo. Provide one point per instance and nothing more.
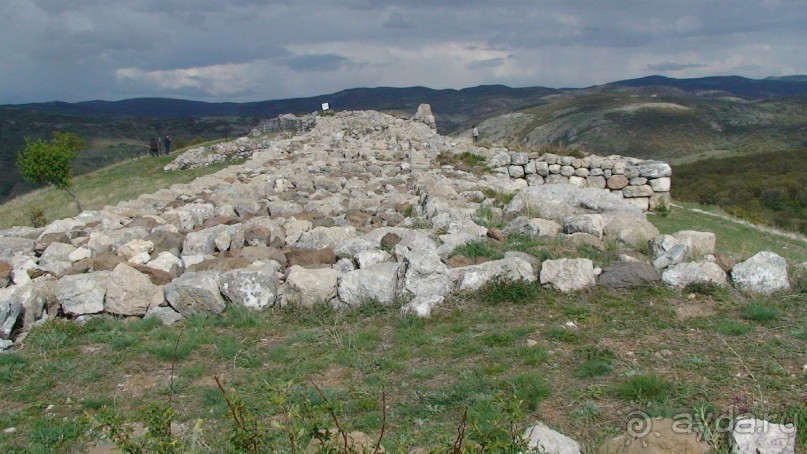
(761, 228)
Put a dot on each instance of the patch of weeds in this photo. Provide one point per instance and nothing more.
(505, 338)
(800, 334)
(502, 198)
(578, 313)
(590, 412)
(488, 217)
(193, 371)
(759, 313)
(237, 317)
(317, 315)
(524, 243)
(732, 328)
(597, 361)
(710, 289)
(12, 365)
(96, 403)
(476, 249)
(644, 388)
(499, 291)
(467, 158)
(532, 356)
(53, 434)
(561, 334)
(530, 388)
(368, 309)
(53, 335)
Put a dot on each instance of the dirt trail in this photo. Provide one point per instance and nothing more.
(761, 228)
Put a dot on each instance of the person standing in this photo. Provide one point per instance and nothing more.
(475, 133)
(154, 147)
(167, 145)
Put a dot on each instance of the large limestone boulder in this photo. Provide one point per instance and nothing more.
(765, 272)
(377, 282)
(473, 277)
(10, 246)
(523, 225)
(82, 294)
(568, 275)
(559, 201)
(307, 287)
(683, 274)
(426, 274)
(757, 436)
(542, 439)
(196, 293)
(264, 231)
(322, 237)
(254, 287)
(630, 231)
(584, 223)
(130, 292)
(56, 258)
(699, 243)
(217, 238)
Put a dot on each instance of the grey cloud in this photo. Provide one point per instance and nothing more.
(672, 66)
(318, 62)
(488, 63)
(397, 20)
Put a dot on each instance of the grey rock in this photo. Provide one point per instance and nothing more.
(469, 278)
(425, 274)
(255, 287)
(10, 246)
(674, 256)
(654, 169)
(542, 439)
(167, 315)
(683, 274)
(558, 202)
(56, 258)
(422, 306)
(568, 275)
(584, 223)
(264, 231)
(631, 231)
(757, 436)
(378, 282)
(82, 294)
(765, 272)
(196, 294)
(307, 287)
(130, 292)
(10, 309)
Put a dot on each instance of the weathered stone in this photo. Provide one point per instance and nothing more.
(167, 262)
(507, 269)
(584, 223)
(165, 241)
(557, 202)
(654, 169)
(196, 294)
(595, 181)
(422, 306)
(167, 315)
(130, 292)
(135, 247)
(542, 439)
(10, 309)
(255, 287)
(683, 274)
(628, 274)
(568, 275)
(765, 272)
(699, 243)
(307, 287)
(322, 237)
(82, 294)
(631, 231)
(637, 191)
(661, 184)
(220, 264)
(426, 274)
(617, 182)
(757, 436)
(264, 231)
(56, 259)
(674, 256)
(10, 246)
(378, 282)
(371, 257)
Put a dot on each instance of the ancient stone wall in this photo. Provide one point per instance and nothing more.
(644, 184)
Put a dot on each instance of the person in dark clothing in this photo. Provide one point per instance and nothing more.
(154, 147)
(167, 145)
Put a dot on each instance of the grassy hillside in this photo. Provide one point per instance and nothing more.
(121, 181)
(767, 190)
(671, 126)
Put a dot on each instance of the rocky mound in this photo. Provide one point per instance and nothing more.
(354, 209)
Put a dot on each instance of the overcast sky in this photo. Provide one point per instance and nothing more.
(249, 50)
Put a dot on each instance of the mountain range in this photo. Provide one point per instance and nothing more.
(653, 117)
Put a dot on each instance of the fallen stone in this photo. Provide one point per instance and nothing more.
(542, 439)
(765, 272)
(757, 436)
(82, 294)
(167, 315)
(628, 274)
(568, 275)
(254, 287)
(683, 274)
(130, 292)
(507, 269)
(196, 293)
(308, 287)
(378, 282)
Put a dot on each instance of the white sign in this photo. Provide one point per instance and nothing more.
(325, 106)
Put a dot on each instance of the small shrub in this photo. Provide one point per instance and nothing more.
(597, 362)
(36, 216)
(644, 388)
(487, 217)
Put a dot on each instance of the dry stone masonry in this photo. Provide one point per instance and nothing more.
(351, 209)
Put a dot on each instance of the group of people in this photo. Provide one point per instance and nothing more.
(158, 146)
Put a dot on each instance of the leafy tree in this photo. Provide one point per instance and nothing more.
(51, 162)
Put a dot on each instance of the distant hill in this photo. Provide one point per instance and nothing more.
(655, 116)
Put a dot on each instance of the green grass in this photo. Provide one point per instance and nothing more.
(737, 240)
(759, 313)
(100, 188)
(644, 388)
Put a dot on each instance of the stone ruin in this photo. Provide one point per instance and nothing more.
(354, 209)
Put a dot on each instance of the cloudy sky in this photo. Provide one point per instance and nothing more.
(247, 50)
